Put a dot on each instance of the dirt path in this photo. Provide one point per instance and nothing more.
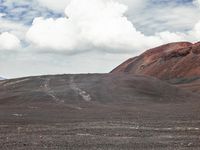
(85, 96)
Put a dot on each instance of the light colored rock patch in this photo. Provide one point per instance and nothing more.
(17, 115)
(50, 92)
(86, 97)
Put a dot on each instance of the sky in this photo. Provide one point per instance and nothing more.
(39, 37)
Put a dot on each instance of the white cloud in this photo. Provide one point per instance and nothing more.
(102, 24)
(196, 2)
(9, 41)
(167, 36)
(134, 6)
(97, 24)
(56, 34)
(194, 34)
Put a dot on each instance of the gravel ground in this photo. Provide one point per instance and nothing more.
(97, 112)
(112, 135)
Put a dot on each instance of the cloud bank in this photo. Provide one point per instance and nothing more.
(96, 24)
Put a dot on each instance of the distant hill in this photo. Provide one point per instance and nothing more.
(95, 88)
(92, 93)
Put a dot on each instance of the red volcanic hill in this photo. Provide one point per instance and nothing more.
(178, 62)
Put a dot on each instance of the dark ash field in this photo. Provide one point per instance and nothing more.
(97, 112)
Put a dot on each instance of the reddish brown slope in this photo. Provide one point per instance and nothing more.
(166, 62)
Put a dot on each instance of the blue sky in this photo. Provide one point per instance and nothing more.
(26, 10)
(96, 35)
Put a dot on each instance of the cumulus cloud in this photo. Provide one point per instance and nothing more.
(56, 34)
(98, 24)
(9, 41)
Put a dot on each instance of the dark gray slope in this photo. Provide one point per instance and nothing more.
(97, 111)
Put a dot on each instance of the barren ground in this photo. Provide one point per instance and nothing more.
(97, 112)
